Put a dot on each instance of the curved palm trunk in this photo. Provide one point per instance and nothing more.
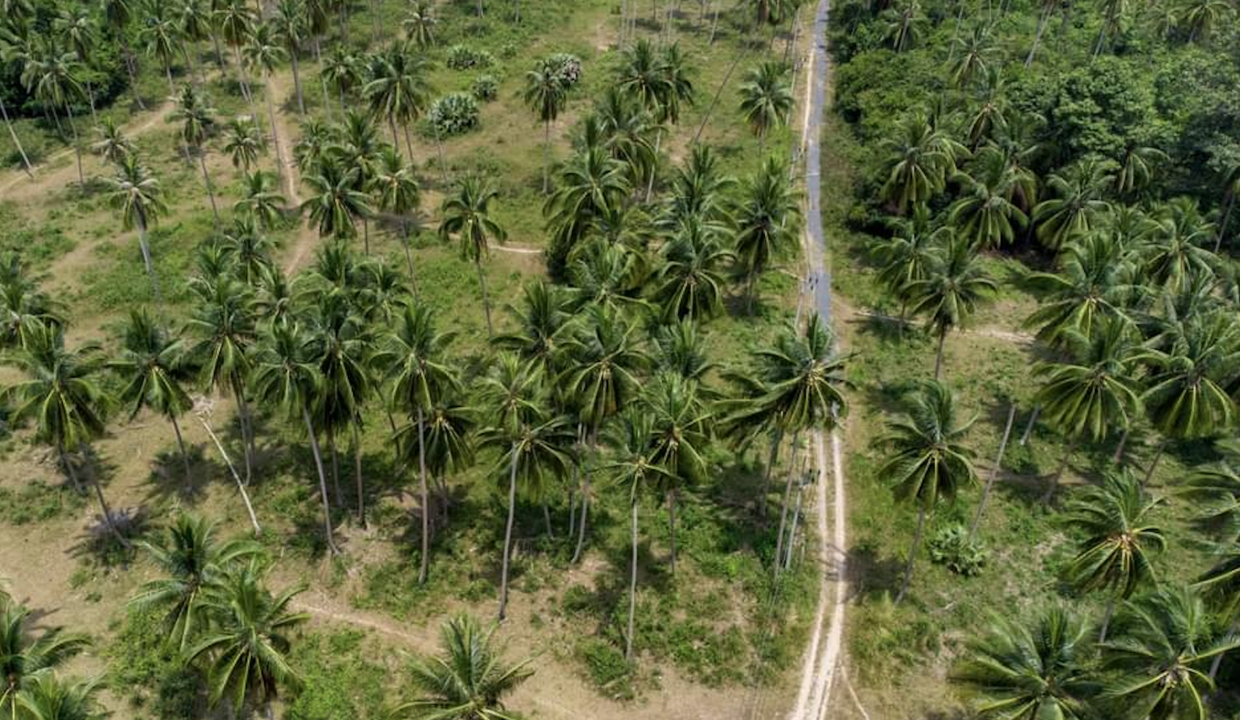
(912, 553)
(245, 497)
(13, 135)
(426, 514)
(206, 179)
(77, 146)
(512, 509)
(318, 464)
(486, 298)
(628, 638)
(189, 476)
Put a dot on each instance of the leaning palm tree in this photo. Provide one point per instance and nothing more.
(546, 95)
(928, 461)
(1115, 553)
(469, 217)
(954, 285)
(766, 98)
(636, 468)
(767, 217)
(154, 369)
(287, 378)
(193, 564)
(64, 397)
(469, 681)
(197, 117)
(412, 359)
(245, 651)
(51, 697)
(24, 658)
(1156, 662)
(1030, 671)
(112, 145)
(1092, 389)
(139, 197)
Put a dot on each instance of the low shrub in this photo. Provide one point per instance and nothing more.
(485, 88)
(950, 546)
(463, 57)
(454, 114)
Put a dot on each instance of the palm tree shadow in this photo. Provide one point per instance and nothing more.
(166, 483)
(871, 574)
(97, 545)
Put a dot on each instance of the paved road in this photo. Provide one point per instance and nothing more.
(820, 279)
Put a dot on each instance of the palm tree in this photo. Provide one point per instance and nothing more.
(235, 19)
(541, 324)
(8, 123)
(224, 321)
(680, 350)
(1137, 164)
(113, 146)
(1092, 388)
(286, 377)
(698, 189)
(928, 461)
(194, 110)
(76, 28)
(1114, 554)
(398, 89)
(396, 190)
(1030, 672)
(420, 23)
(954, 285)
(1096, 283)
(984, 212)
(1047, 7)
(689, 283)
(976, 54)
(1220, 585)
(51, 697)
(51, 76)
(766, 98)
(681, 430)
(593, 183)
(636, 469)
(1216, 489)
(767, 219)
(545, 95)
(261, 201)
(467, 214)
(1077, 205)
(244, 142)
(25, 658)
(414, 365)
(1202, 15)
(1173, 250)
(195, 22)
(1157, 659)
(337, 200)
(264, 52)
(919, 160)
(153, 367)
(534, 439)
(63, 396)
(906, 255)
(606, 274)
(902, 24)
(291, 25)
(161, 34)
(469, 681)
(139, 197)
(247, 646)
(23, 305)
(342, 71)
(194, 565)
(1185, 396)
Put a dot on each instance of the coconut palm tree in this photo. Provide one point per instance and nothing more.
(193, 109)
(1157, 661)
(8, 122)
(1077, 205)
(261, 201)
(160, 33)
(1030, 671)
(766, 98)
(901, 25)
(139, 197)
(984, 213)
(76, 29)
(680, 350)
(63, 396)
(1202, 15)
(681, 435)
(542, 324)
(976, 55)
(51, 697)
(625, 129)
(928, 461)
(1096, 283)
(468, 216)
(606, 274)
(398, 89)
(468, 681)
(287, 378)
(414, 364)
(954, 286)
(264, 52)
(689, 283)
(767, 218)
(25, 658)
(514, 396)
(419, 24)
(50, 74)
(591, 184)
(113, 146)
(1185, 396)
(635, 468)
(699, 189)
(343, 71)
(919, 159)
(193, 564)
(546, 95)
(291, 24)
(1220, 586)
(224, 321)
(246, 649)
(1173, 250)
(154, 369)
(1092, 389)
(337, 200)
(236, 19)
(23, 304)
(1216, 489)
(244, 142)
(396, 190)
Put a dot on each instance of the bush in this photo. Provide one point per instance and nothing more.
(950, 546)
(463, 57)
(608, 670)
(485, 88)
(454, 114)
(151, 671)
(566, 67)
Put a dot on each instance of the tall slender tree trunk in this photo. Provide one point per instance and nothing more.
(486, 297)
(366, 235)
(318, 464)
(1149, 474)
(658, 139)
(90, 96)
(792, 533)
(219, 55)
(546, 155)
(331, 450)
(777, 439)
(357, 474)
(275, 133)
(671, 525)
(994, 473)
(189, 476)
(783, 513)
(1106, 619)
(1037, 39)
(18, 143)
(443, 163)
(145, 247)
(318, 60)
(1218, 659)
(938, 355)
(301, 101)
(247, 431)
(1118, 457)
(426, 527)
(108, 519)
(628, 638)
(245, 497)
(1033, 420)
(512, 510)
(132, 70)
(912, 553)
(77, 146)
(547, 520)
(1218, 236)
(243, 79)
(69, 469)
(1063, 466)
(206, 179)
